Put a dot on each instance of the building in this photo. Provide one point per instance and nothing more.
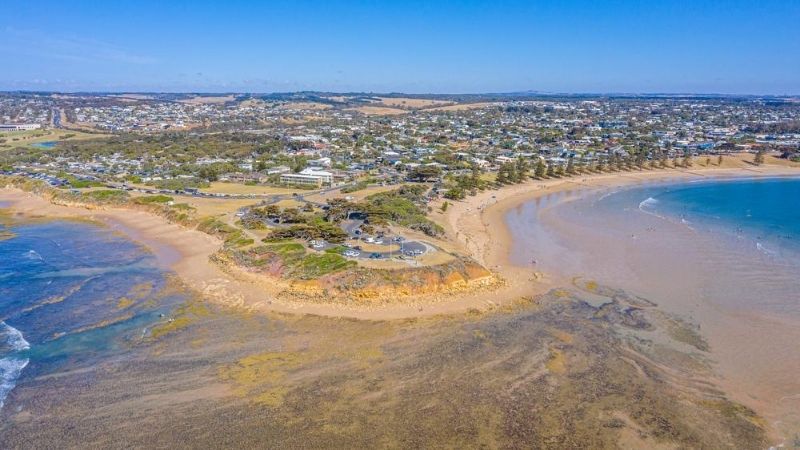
(308, 176)
(19, 126)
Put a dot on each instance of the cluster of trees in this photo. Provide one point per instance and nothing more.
(424, 173)
(467, 184)
(314, 228)
(400, 206)
(522, 169)
(513, 172)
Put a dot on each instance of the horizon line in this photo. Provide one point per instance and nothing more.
(353, 93)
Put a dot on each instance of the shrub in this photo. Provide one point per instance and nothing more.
(154, 199)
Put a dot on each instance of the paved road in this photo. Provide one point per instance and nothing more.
(56, 118)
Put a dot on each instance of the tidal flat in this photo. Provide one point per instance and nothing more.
(581, 366)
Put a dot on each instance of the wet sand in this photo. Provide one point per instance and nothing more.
(741, 301)
(567, 370)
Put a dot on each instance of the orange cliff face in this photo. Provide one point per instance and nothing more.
(377, 286)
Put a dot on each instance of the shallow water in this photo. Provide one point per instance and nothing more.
(724, 254)
(61, 286)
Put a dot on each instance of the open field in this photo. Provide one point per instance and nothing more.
(134, 96)
(462, 106)
(214, 207)
(378, 111)
(302, 106)
(200, 100)
(413, 103)
(219, 187)
(355, 196)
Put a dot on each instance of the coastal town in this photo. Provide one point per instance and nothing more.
(355, 177)
(400, 225)
(318, 139)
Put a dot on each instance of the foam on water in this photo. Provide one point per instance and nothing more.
(11, 365)
(33, 254)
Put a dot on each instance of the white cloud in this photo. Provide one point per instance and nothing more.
(67, 48)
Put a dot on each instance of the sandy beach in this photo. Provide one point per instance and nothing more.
(479, 226)
(476, 225)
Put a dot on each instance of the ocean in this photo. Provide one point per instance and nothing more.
(764, 213)
(71, 295)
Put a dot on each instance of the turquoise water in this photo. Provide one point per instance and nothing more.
(60, 290)
(766, 211)
(737, 241)
(46, 144)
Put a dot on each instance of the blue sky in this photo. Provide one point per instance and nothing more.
(745, 47)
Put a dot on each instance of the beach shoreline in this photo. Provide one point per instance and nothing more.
(484, 236)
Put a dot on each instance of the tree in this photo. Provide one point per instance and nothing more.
(424, 173)
(551, 170)
(640, 159)
(570, 166)
(719, 160)
(475, 177)
(522, 170)
(601, 165)
(540, 170)
(502, 176)
(759, 158)
(687, 159)
(455, 193)
(507, 173)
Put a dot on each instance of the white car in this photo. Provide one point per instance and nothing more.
(352, 253)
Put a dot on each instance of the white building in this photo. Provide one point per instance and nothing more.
(308, 176)
(19, 126)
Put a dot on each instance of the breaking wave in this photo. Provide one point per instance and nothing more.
(11, 364)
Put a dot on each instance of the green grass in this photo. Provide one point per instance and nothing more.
(106, 195)
(154, 199)
(233, 237)
(316, 265)
(287, 248)
(361, 185)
